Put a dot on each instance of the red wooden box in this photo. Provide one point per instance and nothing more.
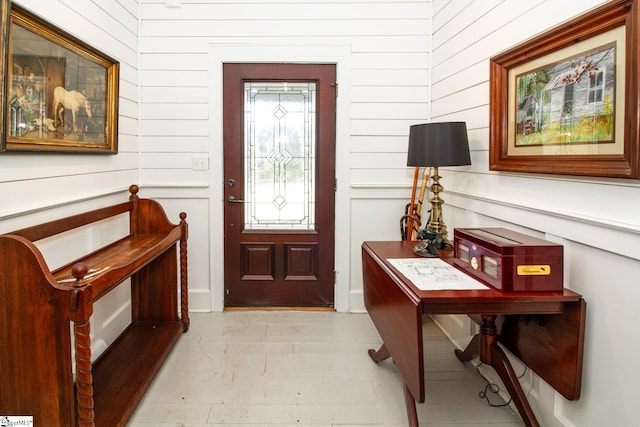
(508, 260)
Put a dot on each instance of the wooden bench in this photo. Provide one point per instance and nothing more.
(38, 307)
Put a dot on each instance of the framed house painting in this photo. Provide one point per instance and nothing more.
(566, 101)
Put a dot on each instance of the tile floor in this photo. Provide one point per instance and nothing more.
(299, 368)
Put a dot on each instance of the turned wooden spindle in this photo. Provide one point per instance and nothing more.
(84, 375)
(184, 287)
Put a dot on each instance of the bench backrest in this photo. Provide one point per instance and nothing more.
(51, 228)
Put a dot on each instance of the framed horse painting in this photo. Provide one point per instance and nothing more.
(60, 95)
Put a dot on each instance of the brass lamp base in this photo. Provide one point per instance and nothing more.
(436, 223)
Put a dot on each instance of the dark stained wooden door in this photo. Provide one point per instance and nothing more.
(279, 184)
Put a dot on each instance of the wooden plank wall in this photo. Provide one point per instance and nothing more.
(597, 220)
(37, 181)
(389, 43)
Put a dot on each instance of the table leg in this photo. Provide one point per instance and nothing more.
(500, 363)
(492, 354)
(472, 350)
(381, 354)
(410, 403)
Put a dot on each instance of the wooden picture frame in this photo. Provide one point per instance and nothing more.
(59, 94)
(566, 101)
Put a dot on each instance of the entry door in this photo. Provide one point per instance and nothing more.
(279, 186)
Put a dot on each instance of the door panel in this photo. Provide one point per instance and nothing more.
(279, 166)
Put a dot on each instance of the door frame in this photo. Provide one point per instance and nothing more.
(253, 52)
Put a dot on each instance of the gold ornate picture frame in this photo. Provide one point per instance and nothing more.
(59, 94)
(566, 101)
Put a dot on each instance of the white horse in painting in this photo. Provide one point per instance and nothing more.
(71, 100)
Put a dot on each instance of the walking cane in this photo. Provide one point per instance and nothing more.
(418, 213)
(407, 221)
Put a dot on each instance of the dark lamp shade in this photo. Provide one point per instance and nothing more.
(438, 144)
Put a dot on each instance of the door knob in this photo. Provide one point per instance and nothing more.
(232, 199)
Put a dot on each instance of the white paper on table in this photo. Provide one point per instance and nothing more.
(434, 274)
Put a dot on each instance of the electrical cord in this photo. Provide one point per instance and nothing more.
(493, 388)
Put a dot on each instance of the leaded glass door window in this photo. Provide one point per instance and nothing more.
(279, 155)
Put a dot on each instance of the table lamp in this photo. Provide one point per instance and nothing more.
(435, 145)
